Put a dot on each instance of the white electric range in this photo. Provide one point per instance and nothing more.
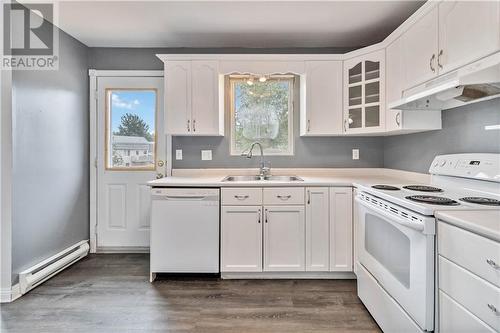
(396, 236)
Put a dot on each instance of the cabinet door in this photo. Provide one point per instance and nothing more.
(468, 30)
(420, 47)
(323, 99)
(284, 238)
(365, 93)
(341, 229)
(317, 229)
(394, 84)
(178, 97)
(241, 239)
(206, 119)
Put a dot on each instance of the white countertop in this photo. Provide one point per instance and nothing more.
(311, 177)
(482, 222)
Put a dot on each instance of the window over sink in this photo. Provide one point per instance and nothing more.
(261, 110)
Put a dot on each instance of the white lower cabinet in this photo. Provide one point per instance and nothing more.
(284, 238)
(295, 229)
(317, 229)
(341, 237)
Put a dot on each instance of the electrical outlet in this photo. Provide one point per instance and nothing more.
(355, 154)
(178, 154)
(206, 155)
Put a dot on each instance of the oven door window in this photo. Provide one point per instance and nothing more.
(389, 246)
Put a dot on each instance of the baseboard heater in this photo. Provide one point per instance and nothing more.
(46, 269)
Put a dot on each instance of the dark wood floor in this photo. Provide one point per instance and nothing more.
(111, 293)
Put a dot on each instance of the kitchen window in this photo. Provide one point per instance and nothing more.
(261, 110)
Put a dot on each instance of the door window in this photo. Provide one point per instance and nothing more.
(130, 126)
(389, 246)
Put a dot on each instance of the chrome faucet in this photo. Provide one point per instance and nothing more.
(263, 169)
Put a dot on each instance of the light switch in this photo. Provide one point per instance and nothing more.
(206, 155)
(355, 154)
(178, 154)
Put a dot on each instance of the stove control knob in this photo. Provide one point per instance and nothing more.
(443, 163)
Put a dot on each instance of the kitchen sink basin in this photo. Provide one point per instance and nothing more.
(241, 178)
(283, 178)
(258, 178)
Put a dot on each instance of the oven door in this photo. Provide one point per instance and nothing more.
(399, 256)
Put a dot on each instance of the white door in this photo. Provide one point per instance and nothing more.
(317, 229)
(468, 30)
(205, 116)
(341, 229)
(284, 238)
(130, 152)
(420, 47)
(178, 97)
(323, 111)
(241, 239)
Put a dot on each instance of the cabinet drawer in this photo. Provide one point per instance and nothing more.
(284, 196)
(476, 253)
(242, 196)
(454, 318)
(478, 296)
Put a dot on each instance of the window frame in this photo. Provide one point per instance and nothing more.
(232, 79)
(108, 109)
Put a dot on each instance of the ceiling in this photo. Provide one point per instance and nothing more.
(269, 24)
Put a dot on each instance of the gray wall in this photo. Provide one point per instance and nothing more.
(463, 132)
(50, 138)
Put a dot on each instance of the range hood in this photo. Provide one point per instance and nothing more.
(472, 83)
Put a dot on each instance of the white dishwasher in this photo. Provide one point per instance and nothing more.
(184, 230)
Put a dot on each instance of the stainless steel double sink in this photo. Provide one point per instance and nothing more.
(263, 178)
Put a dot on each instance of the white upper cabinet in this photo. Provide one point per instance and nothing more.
(420, 50)
(178, 97)
(317, 229)
(398, 121)
(192, 98)
(468, 30)
(321, 109)
(364, 93)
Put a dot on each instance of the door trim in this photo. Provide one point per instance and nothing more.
(93, 95)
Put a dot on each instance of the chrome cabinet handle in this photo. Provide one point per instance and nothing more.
(241, 197)
(308, 197)
(284, 197)
(439, 59)
(188, 125)
(431, 63)
(194, 125)
(265, 212)
(492, 263)
(308, 125)
(493, 309)
(398, 118)
(259, 216)
(345, 125)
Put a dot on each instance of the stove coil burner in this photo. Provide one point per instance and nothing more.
(422, 188)
(481, 201)
(430, 199)
(386, 187)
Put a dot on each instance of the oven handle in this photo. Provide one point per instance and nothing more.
(396, 219)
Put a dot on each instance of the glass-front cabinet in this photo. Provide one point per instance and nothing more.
(364, 100)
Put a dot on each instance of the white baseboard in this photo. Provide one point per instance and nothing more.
(289, 275)
(10, 295)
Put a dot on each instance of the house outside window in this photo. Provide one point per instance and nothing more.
(262, 110)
